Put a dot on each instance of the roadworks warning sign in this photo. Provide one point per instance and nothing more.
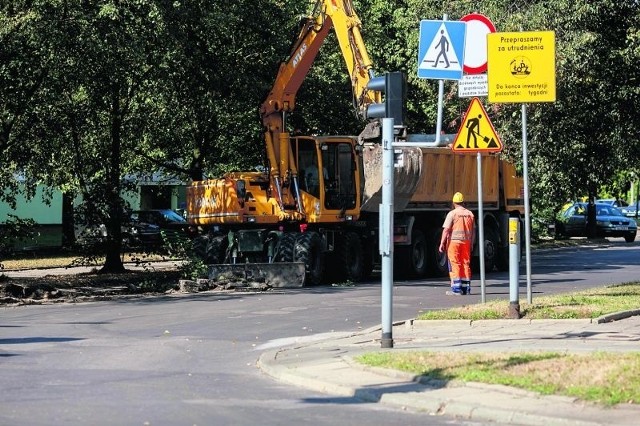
(476, 133)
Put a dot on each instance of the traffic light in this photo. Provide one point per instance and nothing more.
(392, 85)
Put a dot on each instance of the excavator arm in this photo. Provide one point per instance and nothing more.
(340, 16)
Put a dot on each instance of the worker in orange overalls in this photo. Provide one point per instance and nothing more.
(458, 235)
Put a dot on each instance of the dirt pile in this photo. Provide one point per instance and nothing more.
(85, 287)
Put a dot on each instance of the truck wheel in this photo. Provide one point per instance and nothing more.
(285, 246)
(412, 260)
(309, 250)
(491, 247)
(350, 258)
(367, 259)
(437, 262)
(502, 261)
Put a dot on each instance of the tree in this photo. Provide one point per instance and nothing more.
(583, 139)
(577, 144)
(23, 69)
(100, 57)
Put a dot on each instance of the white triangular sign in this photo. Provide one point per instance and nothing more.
(442, 51)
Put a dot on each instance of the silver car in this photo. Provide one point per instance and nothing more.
(629, 210)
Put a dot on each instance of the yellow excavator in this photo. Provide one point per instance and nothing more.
(260, 217)
(317, 202)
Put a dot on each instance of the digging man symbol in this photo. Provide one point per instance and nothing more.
(473, 125)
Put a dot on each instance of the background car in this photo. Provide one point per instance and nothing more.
(610, 222)
(627, 209)
(133, 234)
(167, 221)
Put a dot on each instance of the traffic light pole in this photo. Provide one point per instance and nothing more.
(386, 232)
(391, 111)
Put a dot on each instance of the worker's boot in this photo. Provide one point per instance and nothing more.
(465, 287)
(456, 288)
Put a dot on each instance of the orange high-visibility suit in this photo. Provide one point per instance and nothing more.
(457, 237)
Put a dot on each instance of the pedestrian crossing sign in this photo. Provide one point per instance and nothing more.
(476, 132)
(441, 49)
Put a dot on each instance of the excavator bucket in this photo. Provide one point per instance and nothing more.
(406, 176)
(259, 275)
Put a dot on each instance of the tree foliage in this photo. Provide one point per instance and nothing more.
(95, 92)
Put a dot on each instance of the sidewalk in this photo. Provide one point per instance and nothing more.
(327, 366)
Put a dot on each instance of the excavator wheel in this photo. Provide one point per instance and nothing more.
(310, 251)
(199, 246)
(351, 258)
(217, 250)
(285, 247)
(211, 249)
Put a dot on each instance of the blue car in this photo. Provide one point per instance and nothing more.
(610, 222)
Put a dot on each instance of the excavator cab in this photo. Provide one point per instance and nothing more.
(328, 171)
(340, 181)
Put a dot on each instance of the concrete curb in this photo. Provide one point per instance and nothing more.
(616, 316)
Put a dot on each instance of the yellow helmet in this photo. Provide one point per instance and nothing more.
(458, 197)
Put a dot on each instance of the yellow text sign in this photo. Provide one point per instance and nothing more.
(476, 133)
(521, 67)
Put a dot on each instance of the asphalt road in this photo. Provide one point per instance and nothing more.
(191, 359)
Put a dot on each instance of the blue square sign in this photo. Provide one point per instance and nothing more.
(441, 49)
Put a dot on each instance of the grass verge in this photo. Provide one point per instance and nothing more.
(604, 378)
(590, 303)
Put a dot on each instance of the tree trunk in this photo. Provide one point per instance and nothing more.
(68, 222)
(113, 261)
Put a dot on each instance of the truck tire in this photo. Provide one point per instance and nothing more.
(437, 262)
(350, 258)
(502, 261)
(491, 248)
(412, 260)
(310, 251)
(285, 247)
(368, 259)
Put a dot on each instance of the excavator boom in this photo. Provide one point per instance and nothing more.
(340, 16)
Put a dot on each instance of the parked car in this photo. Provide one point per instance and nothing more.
(167, 221)
(610, 222)
(133, 234)
(627, 209)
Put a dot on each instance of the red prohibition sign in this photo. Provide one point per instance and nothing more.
(475, 46)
